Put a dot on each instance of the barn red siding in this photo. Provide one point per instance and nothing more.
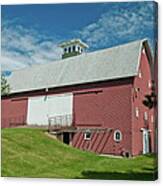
(137, 101)
(108, 104)
(105, 107)
(13, 112)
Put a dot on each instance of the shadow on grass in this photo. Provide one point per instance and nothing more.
(119, 176)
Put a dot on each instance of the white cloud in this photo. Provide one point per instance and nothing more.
(8, 64)
(120, 24)
(21, 47)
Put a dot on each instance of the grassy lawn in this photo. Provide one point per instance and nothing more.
(30, 153)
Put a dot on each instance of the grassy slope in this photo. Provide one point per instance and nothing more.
(30, 153)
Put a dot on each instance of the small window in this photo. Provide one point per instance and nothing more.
(65, 49)
(69, 49)
(137, 112)
(73, 48)
(149, 84)
(152, 119)
(87, 135)
(140, 74)
(79, 49)
(136, 92)
(143, 51)
(145, 116)
(117, 136)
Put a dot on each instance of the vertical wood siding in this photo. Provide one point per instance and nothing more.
(105, 107)
(137, 101)
(13, 112)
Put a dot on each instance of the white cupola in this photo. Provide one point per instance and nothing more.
(73, 47)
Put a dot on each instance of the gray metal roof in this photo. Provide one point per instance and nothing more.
(118, 62)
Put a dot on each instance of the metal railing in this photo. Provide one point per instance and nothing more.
(60, 121)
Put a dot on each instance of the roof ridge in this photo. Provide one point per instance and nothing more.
(84, 54)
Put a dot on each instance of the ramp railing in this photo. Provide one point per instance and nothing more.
(59, 121)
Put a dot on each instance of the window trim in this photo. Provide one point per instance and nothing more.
(146, 116)
(85, 135)
(115, 132)
(149, 84)
(152, 118)
(136, 112)
(140, 74)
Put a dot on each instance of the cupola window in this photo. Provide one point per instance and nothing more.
(73, 48)
(65, 50)
(69, 49)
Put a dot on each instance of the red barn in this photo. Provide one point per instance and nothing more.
(93, 101)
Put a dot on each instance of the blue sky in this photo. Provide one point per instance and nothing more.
(31, 33)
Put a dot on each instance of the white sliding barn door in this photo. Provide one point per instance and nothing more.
(60, 105)
(37, 110)
(40, 108)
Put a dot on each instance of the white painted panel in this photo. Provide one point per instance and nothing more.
(41, 108)
(60, 105)
(37, 110)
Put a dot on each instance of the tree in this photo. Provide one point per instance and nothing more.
(150, 100)
(5, 87)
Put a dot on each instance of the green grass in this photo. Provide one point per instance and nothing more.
(31, 153)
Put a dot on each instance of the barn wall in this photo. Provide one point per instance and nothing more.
(5, 113)
(105, 107)
(13, 112)
(53, 92)
(137, 102)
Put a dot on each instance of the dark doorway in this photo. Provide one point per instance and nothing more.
(66, 138)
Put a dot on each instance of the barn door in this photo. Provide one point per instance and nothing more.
(37, 111)
(40, 108)
(145, 141)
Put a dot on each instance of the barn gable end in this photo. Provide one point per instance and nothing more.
(142, 116)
